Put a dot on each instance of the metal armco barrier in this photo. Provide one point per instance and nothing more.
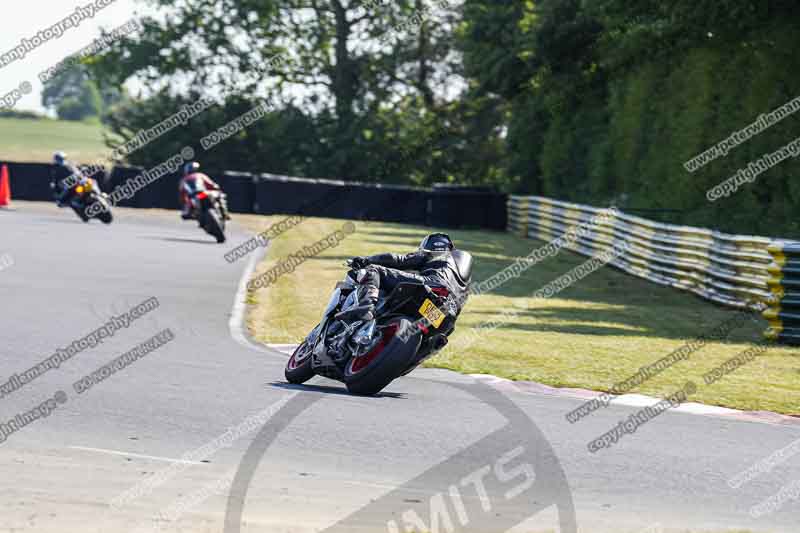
(733, 270)
(783, 313)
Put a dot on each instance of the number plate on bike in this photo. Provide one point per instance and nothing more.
(432, 313)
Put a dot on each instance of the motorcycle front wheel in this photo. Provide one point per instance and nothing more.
(105, 216)
(298, 367)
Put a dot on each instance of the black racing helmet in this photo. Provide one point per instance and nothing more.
(59, 158)
(437, 242)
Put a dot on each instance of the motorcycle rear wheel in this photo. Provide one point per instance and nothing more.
(370, 373)
(214, 225)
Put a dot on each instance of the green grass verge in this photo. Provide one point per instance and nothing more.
(593, 334)
(35, 140)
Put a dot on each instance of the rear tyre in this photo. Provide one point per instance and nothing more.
(370, 373)
(298, 367)
(214, 226)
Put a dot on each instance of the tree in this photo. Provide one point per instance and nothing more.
(342, 62)
(72, 95)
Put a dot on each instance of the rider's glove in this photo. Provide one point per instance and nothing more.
(359, 262)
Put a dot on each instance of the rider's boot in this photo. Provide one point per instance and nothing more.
(367, 297)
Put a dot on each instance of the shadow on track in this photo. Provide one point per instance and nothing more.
(329, 389)
(178, 239)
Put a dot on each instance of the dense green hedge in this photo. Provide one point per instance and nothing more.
(618, 97)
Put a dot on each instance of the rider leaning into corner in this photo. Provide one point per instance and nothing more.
(193, 180)
(433, 261)
(63, 178)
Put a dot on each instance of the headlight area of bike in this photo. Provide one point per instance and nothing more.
(84, 187)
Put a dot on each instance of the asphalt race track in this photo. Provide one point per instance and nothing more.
(436, 447)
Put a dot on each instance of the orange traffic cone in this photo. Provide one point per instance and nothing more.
(5, 187)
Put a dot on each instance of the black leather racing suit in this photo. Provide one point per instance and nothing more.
(64, 178)
(436, 269)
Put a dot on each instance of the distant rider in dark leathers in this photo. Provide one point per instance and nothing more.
(63, 178)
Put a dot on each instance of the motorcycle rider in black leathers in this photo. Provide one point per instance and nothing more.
(433, 260)
(64, 177)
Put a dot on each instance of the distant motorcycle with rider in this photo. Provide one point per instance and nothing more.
(202, 199)
(73, 188)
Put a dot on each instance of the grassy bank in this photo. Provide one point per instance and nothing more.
(35, 140)
(595, 333)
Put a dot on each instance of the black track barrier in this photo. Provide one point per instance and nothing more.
(444, 205)
(240, 188)
(30, 181)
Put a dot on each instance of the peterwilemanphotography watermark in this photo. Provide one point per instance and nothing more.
(97, 46)
(54, 31)
(641, 417)
(761, 124)
(116, 323)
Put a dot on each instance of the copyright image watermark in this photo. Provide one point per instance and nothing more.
(136, 184)
(418, 18)
(753, 170)
(262, 238)
(293, 260)
(43, 410)
(641, 417)
(10, 99)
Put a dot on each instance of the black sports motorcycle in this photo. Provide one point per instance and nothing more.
(410, 324)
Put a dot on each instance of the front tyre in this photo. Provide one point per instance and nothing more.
(386, 361)
(80, 212)
(106, 217)
(298, 367)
